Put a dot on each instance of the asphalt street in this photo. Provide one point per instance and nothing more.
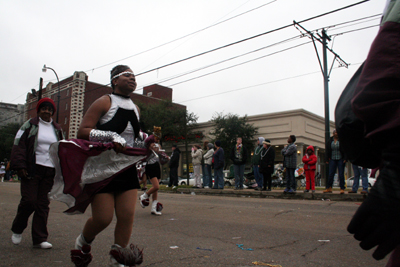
(203, 230)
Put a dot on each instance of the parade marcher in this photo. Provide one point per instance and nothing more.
(208, 156)
(30, 157)
(173, 167)
(310, 163)
(113, 119)
(376, 102)
(267, 164)
(289, 153)
(336, 160)
(239, 158)
(218, 162)
(7, 175)
(363, 173)
(153, 171)
(255, 161)
(197, 155)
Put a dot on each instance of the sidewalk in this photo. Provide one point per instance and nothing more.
(275, 193)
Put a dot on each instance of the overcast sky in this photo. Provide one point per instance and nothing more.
(93, 36)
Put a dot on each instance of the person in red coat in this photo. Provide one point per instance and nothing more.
(310, 162)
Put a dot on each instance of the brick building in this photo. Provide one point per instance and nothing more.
(77, 93)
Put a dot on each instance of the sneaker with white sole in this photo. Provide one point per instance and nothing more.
(81, 255)
(206, 187)
(144, 200)
(43, 245)
(16, 238)
(155, 208)
(174, 187)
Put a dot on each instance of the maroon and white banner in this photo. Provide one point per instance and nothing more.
(84, 167)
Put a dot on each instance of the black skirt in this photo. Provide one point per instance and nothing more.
(124, 181)
(153, 170)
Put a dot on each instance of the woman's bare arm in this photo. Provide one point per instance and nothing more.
(93, 115)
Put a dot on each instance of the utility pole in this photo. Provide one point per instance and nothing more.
(40, 88)
(186, 148)
(326, 73)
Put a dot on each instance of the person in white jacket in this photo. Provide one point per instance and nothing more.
(197, 155)
(207, 177)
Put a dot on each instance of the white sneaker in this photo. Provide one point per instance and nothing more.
(114, 263)
(16, 238)
(167, 186)
(154, 209)
(44, 245)
(206, 187)
(80, 242)
(144, 200)
(174, 187)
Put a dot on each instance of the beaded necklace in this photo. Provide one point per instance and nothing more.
(264, 153)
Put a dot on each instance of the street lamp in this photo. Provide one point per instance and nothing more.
(44, 69)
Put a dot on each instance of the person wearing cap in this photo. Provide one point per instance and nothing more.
(208, 156)
(30, 157)
(219, 162)
(267, 163)
(173, 167)
(310, 163)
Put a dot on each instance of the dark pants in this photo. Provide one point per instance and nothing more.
(267, 179)
(290, 179)
(333, 165)
(34, 200)
(173, 176)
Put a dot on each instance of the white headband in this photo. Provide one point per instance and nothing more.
(122, 73)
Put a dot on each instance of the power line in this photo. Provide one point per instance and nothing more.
(77, 94)
(242, 63)
(250, 38)
(277, 29)
(187, 35)
(359, 29)
(256, 85)
(223, 61)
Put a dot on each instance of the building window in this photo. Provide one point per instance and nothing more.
(66, 106)
(67, 92)
(65, 120)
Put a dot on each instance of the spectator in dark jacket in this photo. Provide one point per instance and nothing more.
(30, 157)
(310, 162)
(219, 162)
(239, 158)
(336, 160)
(267, 163)
(289, 153)
(173, 167)
(255, 161)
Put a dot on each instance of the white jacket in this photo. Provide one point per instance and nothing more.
(196, 156)
(208, 156)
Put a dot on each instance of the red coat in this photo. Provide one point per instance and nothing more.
(310, 161)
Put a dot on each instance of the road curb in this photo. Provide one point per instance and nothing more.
(272, 194)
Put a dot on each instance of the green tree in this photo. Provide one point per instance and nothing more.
(7, 135)
(227, 128)
(176, 122)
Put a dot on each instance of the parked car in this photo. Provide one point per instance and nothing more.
(183, 181)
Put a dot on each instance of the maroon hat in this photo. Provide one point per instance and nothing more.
(45, 101)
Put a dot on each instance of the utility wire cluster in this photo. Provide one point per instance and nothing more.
(291, 39)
